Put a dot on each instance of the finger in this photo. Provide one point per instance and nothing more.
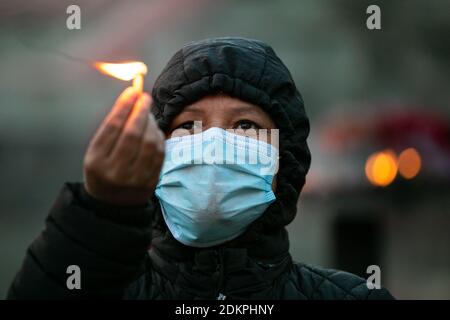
(129, 141)
(114, 122)
(123, 101)
(151, 155)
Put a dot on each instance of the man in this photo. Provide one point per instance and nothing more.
(146, 225)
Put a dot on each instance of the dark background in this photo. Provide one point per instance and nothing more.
(365, 91)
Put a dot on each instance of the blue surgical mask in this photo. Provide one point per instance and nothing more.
(214, 184)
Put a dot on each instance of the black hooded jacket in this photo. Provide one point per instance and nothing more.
(129, 253)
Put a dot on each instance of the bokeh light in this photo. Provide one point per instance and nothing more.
(381, 168)
(409, 163)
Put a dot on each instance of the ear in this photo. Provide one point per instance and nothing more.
(274, 183)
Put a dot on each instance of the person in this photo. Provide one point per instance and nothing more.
(154, 220)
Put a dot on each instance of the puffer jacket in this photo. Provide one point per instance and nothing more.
(111, 248)
(130, 253)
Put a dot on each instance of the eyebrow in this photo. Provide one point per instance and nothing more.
(240, 108)
(245, 108)
(192, 108)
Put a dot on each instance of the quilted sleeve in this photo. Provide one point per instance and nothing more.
(108, 245)
(319, 283)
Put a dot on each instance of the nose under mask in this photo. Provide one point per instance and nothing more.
(214, 184)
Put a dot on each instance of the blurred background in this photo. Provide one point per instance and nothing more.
(379, 103)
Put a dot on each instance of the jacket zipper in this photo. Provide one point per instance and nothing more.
(220, 295)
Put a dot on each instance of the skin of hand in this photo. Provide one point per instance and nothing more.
(124, 158)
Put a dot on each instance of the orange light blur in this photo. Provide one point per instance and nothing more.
(126, 71)
(381, 168)
(409, 163)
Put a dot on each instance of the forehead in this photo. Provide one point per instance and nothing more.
(223, 104)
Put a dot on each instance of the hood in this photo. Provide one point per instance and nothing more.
(251, 71)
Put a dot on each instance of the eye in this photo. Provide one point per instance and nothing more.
(188, 125)
(246, 125)
(187, 128)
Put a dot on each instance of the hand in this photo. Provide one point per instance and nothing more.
(124, 158)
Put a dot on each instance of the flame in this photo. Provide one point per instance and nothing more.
(124, 71)
(381, 168)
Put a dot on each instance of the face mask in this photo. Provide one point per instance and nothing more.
(214, 184)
